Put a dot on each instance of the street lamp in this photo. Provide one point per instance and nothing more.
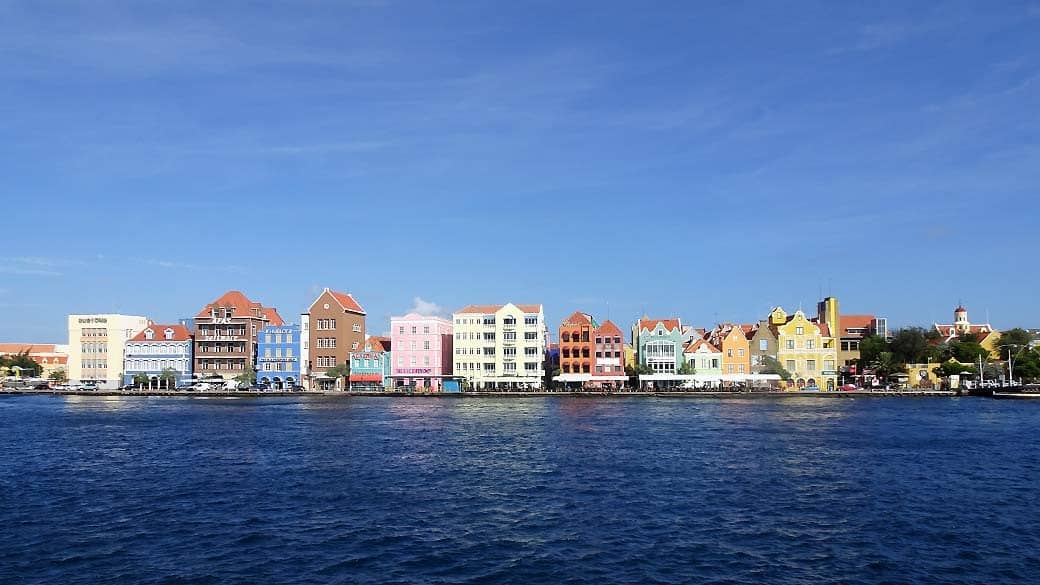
(1011, 364)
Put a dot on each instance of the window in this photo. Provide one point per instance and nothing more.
(426, 329)
(530, 366)
(278, 352)
(354, 345)
(740, 352)
(740, 368)
(810, 344)
(413, 329)
(509, 351)
(530, 351)
(530, 336)
(566, 337)
(426, 345)
(356, 328)
(278, 338)
(799, 330)
(599, 341)
(400, 330)
(509, 336)
(810, 365)
(531, 320)
(790, 366)
(763, 345)
(426, 360)
(790, 344)
(729, 353)
(267, 352)
(400, 361)
(509, 366)
(288, 338)
(828, 365)
(412, 361)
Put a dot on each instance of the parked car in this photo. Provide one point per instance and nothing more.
(42, 386)
(849, 388)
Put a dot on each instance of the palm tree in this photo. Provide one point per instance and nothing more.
(140, 380)
(58, 376)
(168, 378)
(886, 364)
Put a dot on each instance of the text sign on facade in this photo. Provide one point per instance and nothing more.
(414, 370)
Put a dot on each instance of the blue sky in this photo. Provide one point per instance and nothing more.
(745, 155)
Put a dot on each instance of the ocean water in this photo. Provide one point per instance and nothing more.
(532, 490)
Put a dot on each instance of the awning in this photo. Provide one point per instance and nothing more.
(572, 378)
(366, 377)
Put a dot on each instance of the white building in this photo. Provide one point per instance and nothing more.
(97, 344)
(500, 346)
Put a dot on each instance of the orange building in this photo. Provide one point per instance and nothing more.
(576, 346)
(736, 349)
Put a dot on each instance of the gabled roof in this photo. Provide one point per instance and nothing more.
(577, 318)
(379, 343)
(609, 328)
(697, 344)
(651, 324)
(487, 309)
(180, 333)
(346, 300)
(272, 315)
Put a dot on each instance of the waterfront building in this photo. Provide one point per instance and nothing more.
(576, 345)
(609, 350)
(658, 344)
(332, 327)
(500, 346)
(805, 349)
(370, 366)
(984, 333)
(97, 347)
(762, 344)
(226, 333)
(278, 356)
(704, 357)
(422, 351)
(850, 331)
(731, 340)
(158, 348)
(51, 357)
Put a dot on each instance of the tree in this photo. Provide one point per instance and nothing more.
(968, 351)
(770, 365)
(909, 345)
(886, 364)
(339, 371)
(1014, 338)
(638, 370)
(168, 378)
(247, 377)
(1027, 365)
(25, 364)
(953, 368)
(142, 380)
(58, 376)
(870, 347)
(687, 369)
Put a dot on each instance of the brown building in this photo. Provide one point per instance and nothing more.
(332, 327)
(226, 334)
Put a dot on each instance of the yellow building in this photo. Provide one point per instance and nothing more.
(986, 334)
(500, 346)
(630, 357)
(805, 349)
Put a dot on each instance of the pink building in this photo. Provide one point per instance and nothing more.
(422, 353)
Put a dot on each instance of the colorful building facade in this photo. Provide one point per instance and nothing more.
(226, 335)
(659, 344)
(703, 357)
(576, 344)
(370, 368)
(97, 347)
(278, 356)
(332, 327)
(732, 342)
(805, 349)
(156, 349)
(51, 357)
(985, 334)
(422, 351)
(500, 346)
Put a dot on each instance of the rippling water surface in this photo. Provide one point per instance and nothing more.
(555, 490)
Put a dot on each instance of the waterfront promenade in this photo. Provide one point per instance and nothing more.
(497, 394)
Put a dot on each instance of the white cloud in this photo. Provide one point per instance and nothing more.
(426, 308)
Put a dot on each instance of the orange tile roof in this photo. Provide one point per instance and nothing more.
(495, 308)
(650, 324)
(273, 317)
(346, 300)
(855, 322)
(180, 333)
(240, 304)
(14, 348)
(379, 343)
(577, 318)
(609, 328)
(695, 344)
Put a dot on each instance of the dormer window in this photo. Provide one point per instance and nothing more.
(149, 334)
(168, 334)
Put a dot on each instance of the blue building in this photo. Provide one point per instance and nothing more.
(278, 356)
(155, 349)
(370, 369)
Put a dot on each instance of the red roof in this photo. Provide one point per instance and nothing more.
(609, 328)
(379, 343)
(495, 308)
(32, 348)
(346, 300)
(180, 333)
(650, 324)
(272, 315)
(240, 304)
(577, 318)
(855, 322)
(697, 343)
(960, 309)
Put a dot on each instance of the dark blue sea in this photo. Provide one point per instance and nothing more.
(527, 491)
